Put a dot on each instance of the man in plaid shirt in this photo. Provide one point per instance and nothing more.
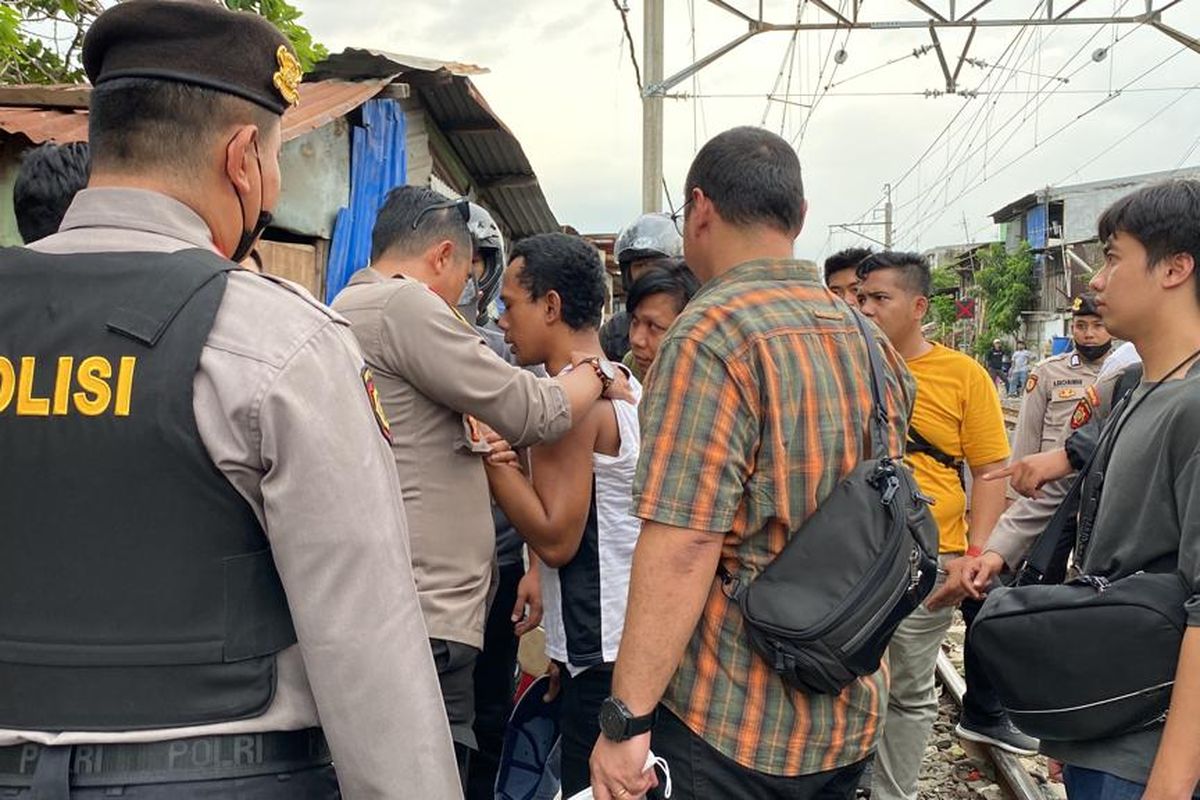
(757, 406)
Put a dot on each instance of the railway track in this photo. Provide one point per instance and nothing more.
(1015, 778)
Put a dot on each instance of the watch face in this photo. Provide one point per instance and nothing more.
(612, 720)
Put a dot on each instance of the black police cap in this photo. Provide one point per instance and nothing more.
(197, 42)
(1084, 306)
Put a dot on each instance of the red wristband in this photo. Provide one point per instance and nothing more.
(974, 552)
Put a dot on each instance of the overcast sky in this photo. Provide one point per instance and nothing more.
(562, 80)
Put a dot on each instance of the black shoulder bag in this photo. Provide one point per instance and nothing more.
(1038, 641)
(822, 613)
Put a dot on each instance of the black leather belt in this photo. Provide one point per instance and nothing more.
(201, 759)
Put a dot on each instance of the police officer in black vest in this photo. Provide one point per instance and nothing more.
(205, 583)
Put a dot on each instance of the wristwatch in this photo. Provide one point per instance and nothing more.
(618, 724)
(604, 371)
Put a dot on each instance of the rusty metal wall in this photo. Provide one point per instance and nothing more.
(10, 160)
(316, 180)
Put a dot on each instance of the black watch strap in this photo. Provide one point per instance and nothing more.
(618, 724)
(639, 725)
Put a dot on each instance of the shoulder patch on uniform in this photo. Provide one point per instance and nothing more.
(1031, 384)
(1082, 414)
(1091, 396)
(368, 379)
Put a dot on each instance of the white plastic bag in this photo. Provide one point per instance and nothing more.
(652, 761)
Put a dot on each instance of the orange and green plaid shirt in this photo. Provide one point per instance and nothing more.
(756, 407)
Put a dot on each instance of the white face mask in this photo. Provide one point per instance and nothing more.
(468, 301)
(652, 761)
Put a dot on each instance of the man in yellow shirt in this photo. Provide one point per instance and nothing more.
(957, 420)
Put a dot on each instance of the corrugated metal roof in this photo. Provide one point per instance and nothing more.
(505, 180)
(45, 124)
(363, 62)
(321, 102)
(1053, 193)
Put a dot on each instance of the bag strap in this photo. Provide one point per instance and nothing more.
(919, 444)
(877, 431)
(879, 413)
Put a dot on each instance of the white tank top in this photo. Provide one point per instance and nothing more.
(584, 601)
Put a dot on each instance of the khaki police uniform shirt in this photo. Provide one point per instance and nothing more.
(1026, 518)
(435, 376)
(282, 410)
(1052, 392)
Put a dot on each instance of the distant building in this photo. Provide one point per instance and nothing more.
(1059, 225)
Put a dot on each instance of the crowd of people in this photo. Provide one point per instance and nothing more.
(258, 547)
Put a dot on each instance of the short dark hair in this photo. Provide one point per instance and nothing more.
(849, 258)
(47, 181)
(752, 177)
(570, 266)
(404, 206)
(912, 266)
(142, 124)
(674, 279)
(1164, 218)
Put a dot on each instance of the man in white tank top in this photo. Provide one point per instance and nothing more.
(577, 512)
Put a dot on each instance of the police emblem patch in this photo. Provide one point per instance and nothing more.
(1031, 384)
(287, 79)
(1082, 415)
(385, 427)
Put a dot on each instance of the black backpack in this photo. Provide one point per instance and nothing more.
(823, 611)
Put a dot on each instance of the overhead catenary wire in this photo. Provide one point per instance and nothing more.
(799, 140)
(1188, 153)
(916, 53)
(637, 70)
(930, 201)
(928, 94)
(969, 132)
(1043, 98)
(916, 165)
(1127, 136)
(934, 216)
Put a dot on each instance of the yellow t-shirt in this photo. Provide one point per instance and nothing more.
(957, 411)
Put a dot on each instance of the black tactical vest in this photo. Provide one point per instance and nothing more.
(137, 589)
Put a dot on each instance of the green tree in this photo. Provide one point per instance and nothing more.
(941, 306)
(40, 40)
(287, 18)
(1006, 288)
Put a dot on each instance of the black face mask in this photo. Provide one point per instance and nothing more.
(1093, 352)
(250, 237)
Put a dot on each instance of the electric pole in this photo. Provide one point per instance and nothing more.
(652, 108)
(886, 223)
(887, 216)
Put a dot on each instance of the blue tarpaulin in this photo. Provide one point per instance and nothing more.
(1037, 224)
(378, 164)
